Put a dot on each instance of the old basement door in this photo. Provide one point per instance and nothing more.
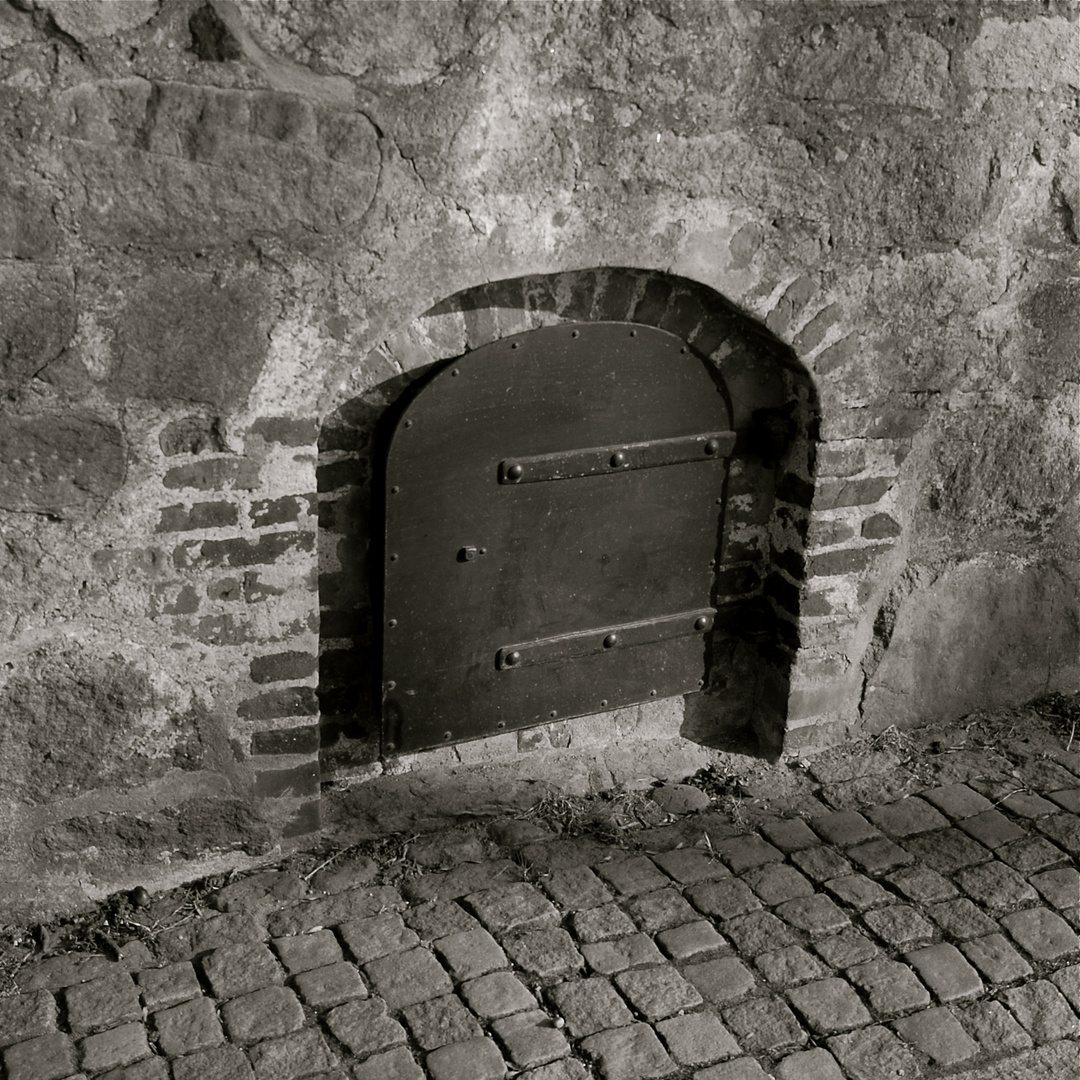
(553, 513)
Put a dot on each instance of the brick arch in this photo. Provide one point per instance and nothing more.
(770, 490)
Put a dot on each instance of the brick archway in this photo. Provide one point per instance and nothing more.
(771, 487)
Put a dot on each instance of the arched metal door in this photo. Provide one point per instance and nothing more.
(553, 510)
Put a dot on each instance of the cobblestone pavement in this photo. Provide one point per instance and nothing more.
(852, 932)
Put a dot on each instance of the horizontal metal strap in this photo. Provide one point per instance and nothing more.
(619, 457)
(605, 639)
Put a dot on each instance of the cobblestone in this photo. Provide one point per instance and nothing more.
(1043, 934)
(790, 966)
(937, 1033)
(188, 1027)
(1042, 1011)
(891, 987)
(378, 936)
(697, 1039)
(26, 1016)
(47, 1057)
(657, 992)
(530, 1039)
(440, 1021)
(629, 1053)
(945, 971)
(720, 981)
(102, 1003)
(818, 950)
(829, 1006)
(470, 954)
(322, 988)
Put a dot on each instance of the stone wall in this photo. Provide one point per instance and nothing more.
(221, 225)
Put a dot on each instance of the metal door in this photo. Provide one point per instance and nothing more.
(553, 513)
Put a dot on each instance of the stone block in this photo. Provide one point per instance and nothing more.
(922, 885)
(293, 1055)
(957, 800)
(364, 1027)
(874, 1053)
(632, 876)
(994, 1028)
(476, 1059)
(440, 1021)
(961, 919)
(846, 949)
(26, 1016)
(906, 817)
(1043, 1012)
(879, 856)
(943, 968)
(816, 915)
(859, 892)
(689, 866)
(234, 970)
(221, 1063)
(891, 988)
(602, 923)
(470, 954)
(844, 828)
(790, 967)
(1031, 854)
(47, 1057)
(530, 1039)
(829, 1006)
(720, 981)
(697, 1039)
(744, 1068)
(690, 940)
(660, 910)
(188, 1027)
(265, 1014)
(778, 882)
(576, 888)
(723, 899)
(61, 464)
(589, 1005)
(512, 907)
(947, 850)
(378, 936)
(790, 834)
(629, 1053)
(938, 1034)
(322, 988)
(991, 828)
(1061, 888)
(115, 1048)
(998, 961)
(996, 886)
(657, 992)
(816, 1064)
(759, 932)
(397, 1064)
(821, 863)
(544, 953)
(102, 1003)
(765, 1025)
(1043, 934)
(498, 994)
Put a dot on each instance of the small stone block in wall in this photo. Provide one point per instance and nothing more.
(276, 704)
(26, 1016)
(114, 1048)
(295, 740)
(283, 667)
(298, 782)
(48, 1057)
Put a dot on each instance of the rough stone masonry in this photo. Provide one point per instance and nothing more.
(230, 231)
